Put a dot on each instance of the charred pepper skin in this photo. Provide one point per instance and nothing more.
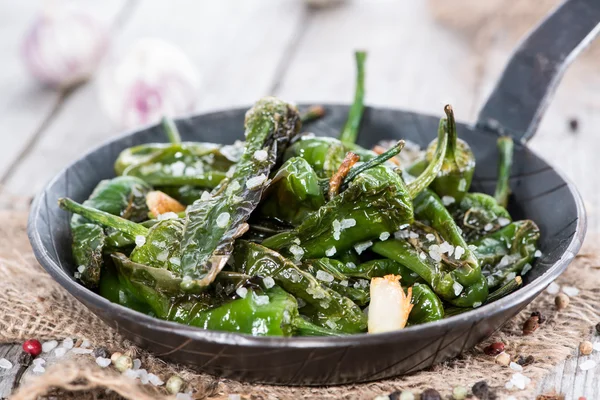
(478, 214)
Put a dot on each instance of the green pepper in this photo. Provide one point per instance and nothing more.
(478, 214)
(123, 196)
(505, 253)
(113, 290)
(339, 312)
(506, 149)
(454, 178)
(211, 226)
(457, 280)
(427, 306)
(380, 268)
(293, 192)
(329, 273)
(186, 194)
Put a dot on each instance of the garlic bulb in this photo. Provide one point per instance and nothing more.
(389, 307)
(63, 47)
(153, 79)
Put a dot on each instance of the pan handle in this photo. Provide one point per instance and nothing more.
(534, 70)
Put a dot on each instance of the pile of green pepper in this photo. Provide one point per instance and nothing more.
(286, 234)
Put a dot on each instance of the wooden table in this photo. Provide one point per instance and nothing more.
(247, 49)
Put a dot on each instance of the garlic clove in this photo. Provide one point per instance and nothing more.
(389, 307)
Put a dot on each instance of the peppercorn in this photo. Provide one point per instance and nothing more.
(115, 356)
(598, 328)
(174, 384)
(482, 391)
(395, 395)
(503, 359)
(123, 363)
(524, 361)
(540, 317)
(406, 395)
(562, 301)
(494, 349)
(431, 394)
(33, 347)
(573, 124)
(585, 348)
(101, 352)
(531, 325)
(459, 393)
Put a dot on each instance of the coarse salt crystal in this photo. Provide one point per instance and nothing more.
(38, 361)
(81, 269)
(223, 219)
(570, 291)
(503, 221)
(261, 300)
(162, 256)
(458, 288)
(435, 253)
(472, 247)
(587, 364)
(4, 363)
(175, 260)
(235, 397)
(137, 363)
(518, 381)
(177, 168)
(256, 181)
(413, 235)
(430, 237)
(553, 288)
(361, 284)
(67, 343)
(38, 369)
(330, 324)
(296, 241)
(401, 234)
(360, 247)
(477, 304)
(462, 185)
(103, 362)
(382, 397)
(183, 396)
(324, 276)
(515, 367)
(459, 252)
(205, 196)
(488, 227)
(233, 187)
(422, 256)
(155, 380)
(384, 236)
(510, 277)
(167, 216)
(537, 254)
(140, 240)
(260, 155)
(242, 292)
(447, 248)
(60, 351)
(347, 223)
(526, 269)
(86, 343)
(350, 265)
(330, 252)
(447, 200)
(297, 251)
(49, 346)
(79, 350)
(130, 373)
(596, 346)
(268, 282)
(345, 283)
(143, 375)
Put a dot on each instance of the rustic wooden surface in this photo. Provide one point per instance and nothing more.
(246, 49)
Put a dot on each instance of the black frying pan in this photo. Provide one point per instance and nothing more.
(539, 192)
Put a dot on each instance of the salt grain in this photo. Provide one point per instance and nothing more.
(233, 187)
(60, 351)
(347, 223)
(447, 248)
(344, 283)
(472, 247)
(162, 256)
(570, 291)
(518, 381)
(130, 373)
(38, 361)
(81, 269)
(462, 185)
(296, 241)
(586, 365)
(435, 253)
(223, 220)
(103, 362)
(143, 375)
(183, 396)
(422, 256)
(488, 227)
(360, 247)
(256, 181)
(384, 236)
(553, 288)
(330, 252)
(261, 300)
(235, 397)
(459, 252)
(155, 380)
(79, 350)
(447, 200)
(537, 254)
(297, 252)
(167, 216)
(86, 343)
(268, 282)
(261, 155)
(175, 261)
(430, 237)
(458, 288)
(477, 304)
(413, 235)
(67, 343)
(401, 234)
(324, 276)
(515, 367)
(137, 363)
(4, 363)
(242, 292)
(140, 240)
(205, 196)
(49, 346)
(38, 369)
(526, 269)
(503, 221)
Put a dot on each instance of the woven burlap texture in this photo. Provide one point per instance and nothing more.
(33, 305)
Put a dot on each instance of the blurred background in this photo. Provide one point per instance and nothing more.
(76, 73)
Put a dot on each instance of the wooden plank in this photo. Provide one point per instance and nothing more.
(9, 378)
(24, 105)
(237, 47)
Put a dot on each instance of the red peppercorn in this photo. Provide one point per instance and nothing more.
(33, 347)
(494, 349)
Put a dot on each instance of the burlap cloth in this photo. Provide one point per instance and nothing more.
(33, 305)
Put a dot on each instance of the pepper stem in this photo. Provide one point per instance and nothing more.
(452, 137)
(350, 131)
(171, 130)
(313, 113)
(505, 148)
(380, 159)
(505, 290)
(103, 218)
(305, 328)
(430, 173)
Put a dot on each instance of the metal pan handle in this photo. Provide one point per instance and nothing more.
(534, 70)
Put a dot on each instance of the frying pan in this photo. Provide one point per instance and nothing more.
(540, 193)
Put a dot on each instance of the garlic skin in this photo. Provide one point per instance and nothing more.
(153, 79)
(63, 47)
(389, 307)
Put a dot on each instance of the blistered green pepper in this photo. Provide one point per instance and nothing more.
(329, 273)
(293, 192)
(339, 312)
(123, 196)
(427, 306)
(506, 252)
(478, 214)
(380, 268)
(455, 176)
